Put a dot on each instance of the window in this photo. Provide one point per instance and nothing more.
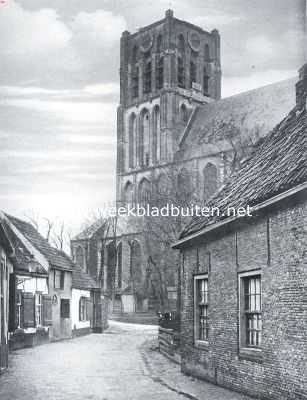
(147, 77)
(205, 83)
(19, 307)
(183, 113)
(160, 73)
(132, 138)
(144, 192)
(80, 257)
(250, 310)
(155, 133)
(59, 278)
(210, 180)
(65, 308)
(119, 265)
(82, 309)
(180, 72)
(128, 193)
(201, 303)
(192, 73)
(38, 309)
(144, 138)
(135, 83)
(159, 44)
(207, 52)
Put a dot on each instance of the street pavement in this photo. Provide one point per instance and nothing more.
(95, 367)
(114, 365)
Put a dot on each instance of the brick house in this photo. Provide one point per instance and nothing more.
(6, 269)
(244, 280)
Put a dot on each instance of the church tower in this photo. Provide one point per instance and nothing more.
(166, 69)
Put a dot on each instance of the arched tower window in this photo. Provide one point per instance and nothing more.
(159, 44)
(128, 193)
(205, 82)
(192, 72)
(119, 265)
(80, 259)
(155, 133)
(160, 73)
(144, 139)
(132, 139)
(144, 192)
(134, 56)
(135, 82)
(181, 61)
(181, 44)
(180, 72)
(183, 113)
(147, 77)
(210, 180)
(207, 52)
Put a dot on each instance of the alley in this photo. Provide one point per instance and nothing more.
(96, 367)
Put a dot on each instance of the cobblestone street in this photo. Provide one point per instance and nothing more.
(100, 367)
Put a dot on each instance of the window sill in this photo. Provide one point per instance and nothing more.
(251, 354)
(201, 344)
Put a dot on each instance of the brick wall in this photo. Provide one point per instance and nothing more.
(276, 243)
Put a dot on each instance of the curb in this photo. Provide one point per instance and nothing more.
(151, 373)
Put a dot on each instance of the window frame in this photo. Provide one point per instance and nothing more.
(244, 348)
(197, 341)
(82, 309)
(38, 301)
(61, 286)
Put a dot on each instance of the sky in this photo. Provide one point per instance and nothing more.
(59, 87)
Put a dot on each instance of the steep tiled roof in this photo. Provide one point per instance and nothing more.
(278, 163)
(254, 112)
(55, 257)
(82, 280)
(23, 259)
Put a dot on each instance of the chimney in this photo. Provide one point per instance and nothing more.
(301, 88)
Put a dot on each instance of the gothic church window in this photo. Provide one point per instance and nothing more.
(144, 192)
(184, 184)
(192, 72)
(155, 133)
(160, 73)
(183, 114)
(132, 138)
(147, 77)
(210, 180)
(144, 131)
(135, 262)
(180, 72)
(135, 82)
(119, 265)
(207, 52)
(159, 44)
(180, 62)
(128, 193)
(205, 82)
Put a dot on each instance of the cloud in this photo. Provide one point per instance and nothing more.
(42, 46)
(99, 29)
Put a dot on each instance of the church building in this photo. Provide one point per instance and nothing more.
(176, 140)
